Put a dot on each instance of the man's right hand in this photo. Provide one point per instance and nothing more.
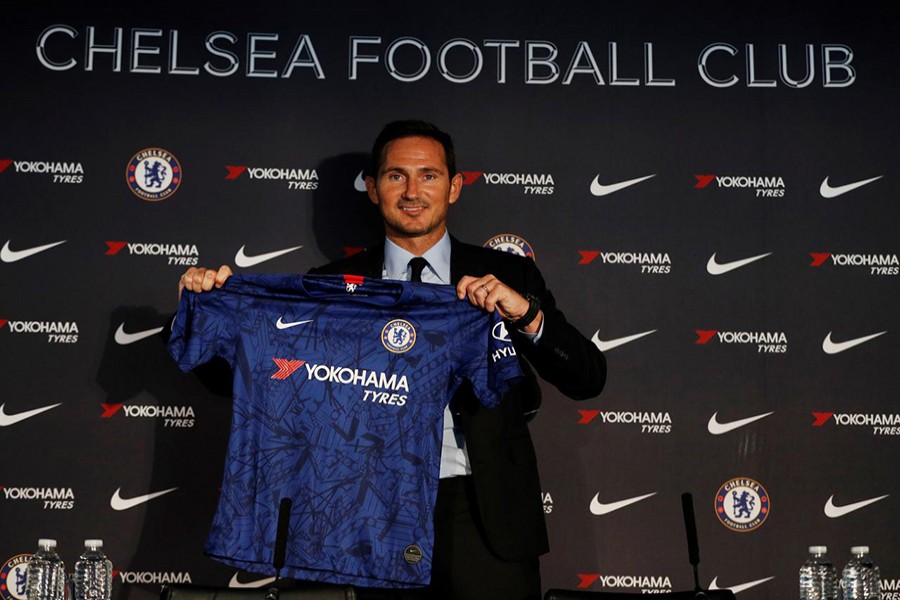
(201, 279)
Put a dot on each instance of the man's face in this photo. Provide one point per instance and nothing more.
(413, 191)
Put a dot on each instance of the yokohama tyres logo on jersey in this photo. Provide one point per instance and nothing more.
(174, 254)
(57, 332)
(387, 387)
(293, 178)
(875, 264)
(57, 171)
(530, 183)
(765, 342)
(649, 263)
(761, 186)
(880, 423)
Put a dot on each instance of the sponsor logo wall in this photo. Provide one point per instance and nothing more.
(714, 208)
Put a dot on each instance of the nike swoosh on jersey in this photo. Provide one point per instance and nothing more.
(598, 189)
(737, 589)
(7, 420)
(242, 260)
(282, 325)
(599, 508)
(828, 191)
(717, 428)
(119, 503)
(359, 184)
(610, 344)
(10, 256)
(235, 583)
(123, 338)
(716, 268)
(833, 512)
(831, 347)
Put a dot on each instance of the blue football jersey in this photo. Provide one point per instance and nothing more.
(340, 385)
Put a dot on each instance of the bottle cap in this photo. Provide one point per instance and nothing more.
(818, 549)
(859, 550)
(48, 543)
(93, 543)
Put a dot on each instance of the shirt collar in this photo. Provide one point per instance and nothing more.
(396, 261)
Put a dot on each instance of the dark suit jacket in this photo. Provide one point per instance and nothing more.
(504, 466)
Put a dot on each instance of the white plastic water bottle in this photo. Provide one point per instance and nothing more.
(46, 578)
(93, 573)
(818, 577)
(861, 577)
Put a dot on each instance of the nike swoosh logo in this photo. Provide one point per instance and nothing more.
(359, 184)
(828, 191)
(242, 260)
(716, 268)
(282, 325)
(10, 256)
(716, 428)
(119, 503)
(123, 338)
(737, 589)
(7, 420)
(833, 512)
(598, 189)
(610, 344)
(835, 347)
(234, 583)
(598, 508)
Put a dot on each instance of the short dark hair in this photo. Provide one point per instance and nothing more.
(411, 128)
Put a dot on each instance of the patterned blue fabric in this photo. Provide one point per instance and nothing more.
(340, 385)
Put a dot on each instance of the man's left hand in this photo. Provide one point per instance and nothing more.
(490, 294)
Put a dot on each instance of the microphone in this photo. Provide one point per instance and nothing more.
(281, 535)
(690, 528)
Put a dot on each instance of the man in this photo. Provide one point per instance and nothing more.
(489, 521)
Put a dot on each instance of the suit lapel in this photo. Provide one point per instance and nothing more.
(458, 260)
(373, 266)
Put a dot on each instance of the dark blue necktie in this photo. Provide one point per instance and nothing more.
(416, 266)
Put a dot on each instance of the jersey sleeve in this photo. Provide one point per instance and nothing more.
(204, 327)
(488, 358)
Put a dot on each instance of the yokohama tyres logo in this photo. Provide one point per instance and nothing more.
(766, 342)
(175, 254)
(649, 422)
(650, 263)
(880, 423)
(50, 498)
(62, 172)
(762, 186)
(644, 584)
(875, 264)
(296, 179)
(286, 367)
(532, 183)
(154, 577)
(171, 416)
(57, 332)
